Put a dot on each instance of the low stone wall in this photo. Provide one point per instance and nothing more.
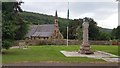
(21, 43)
(53, 42)
(100, 42)
(64, 42)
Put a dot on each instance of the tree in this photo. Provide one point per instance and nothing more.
(116, 33)
(73, 26)
(79, 33)
(12, 23)
(93, 29)
(113, 33)
(104, 36)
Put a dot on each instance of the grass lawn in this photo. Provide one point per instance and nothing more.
(0, 59)
(50, 53)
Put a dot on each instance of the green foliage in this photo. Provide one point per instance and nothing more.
(79, 33)
(113, 33)
(21, 31)
(7, 43)
(116, 33)
(105, 36)
(105, 30)
(73, 25)
(13, 27)
(36, 18)
(94, 30)
(63, 23)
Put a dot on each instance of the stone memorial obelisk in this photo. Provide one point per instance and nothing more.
(85, 47)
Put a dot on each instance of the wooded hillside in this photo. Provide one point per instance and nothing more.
(37, 18)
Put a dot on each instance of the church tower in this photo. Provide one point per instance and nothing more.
(56, 17)
(56, 28)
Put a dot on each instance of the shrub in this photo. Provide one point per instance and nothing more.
(7, 44)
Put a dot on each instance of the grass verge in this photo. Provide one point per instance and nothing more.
(51, 53)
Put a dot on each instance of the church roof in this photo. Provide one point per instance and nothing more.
(45, 30)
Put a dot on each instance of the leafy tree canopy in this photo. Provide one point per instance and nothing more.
(116, 33)
(12, 24)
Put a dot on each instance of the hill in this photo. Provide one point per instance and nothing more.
(105, 30)
(37, 18)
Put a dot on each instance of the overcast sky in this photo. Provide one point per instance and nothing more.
(105, 13)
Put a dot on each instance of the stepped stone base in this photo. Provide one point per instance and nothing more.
(85, 49)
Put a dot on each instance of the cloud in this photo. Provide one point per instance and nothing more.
(44, 7)
(100, 11)
(97, 9)
(119, 14)
(110, 22)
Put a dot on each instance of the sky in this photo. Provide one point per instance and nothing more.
(105, 12)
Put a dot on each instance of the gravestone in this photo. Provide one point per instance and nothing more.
(85, 47)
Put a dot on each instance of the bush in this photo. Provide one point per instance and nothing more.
(104, 36)
(7, 44)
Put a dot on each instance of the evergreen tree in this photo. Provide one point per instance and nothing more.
(12, 24)
(116, 33)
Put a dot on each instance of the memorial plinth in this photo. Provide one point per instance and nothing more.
(85, 47)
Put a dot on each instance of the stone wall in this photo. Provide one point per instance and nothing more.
(20, 43)
(100, 42)
(53, 42)
(64, 42)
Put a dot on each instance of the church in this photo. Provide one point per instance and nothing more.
(45, 31)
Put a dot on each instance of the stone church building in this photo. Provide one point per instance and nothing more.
(45, 31)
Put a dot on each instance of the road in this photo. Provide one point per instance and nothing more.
(61, 65)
